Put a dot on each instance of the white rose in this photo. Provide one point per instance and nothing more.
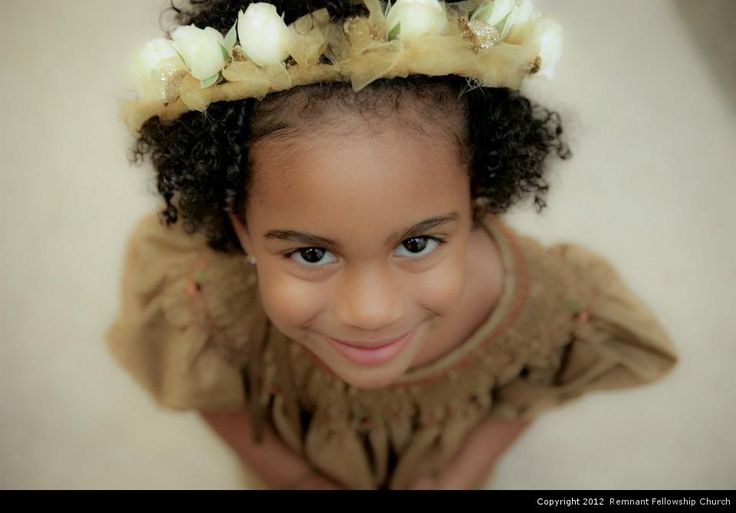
(264, 37)
(150, 64)
(548, 36)
(504, 14)
(202, 50)
(417, 18)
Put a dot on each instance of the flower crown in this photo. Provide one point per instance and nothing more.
(495, 43)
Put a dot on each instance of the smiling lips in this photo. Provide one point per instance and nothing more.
(371, 355)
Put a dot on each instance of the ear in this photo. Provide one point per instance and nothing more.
(241, 230)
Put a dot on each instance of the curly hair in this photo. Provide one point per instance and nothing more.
(202, 163)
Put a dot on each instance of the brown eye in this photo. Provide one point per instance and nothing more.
(310, 257)
(417, 247)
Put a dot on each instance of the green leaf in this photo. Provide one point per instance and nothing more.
(388, 8)
(482, 12)
(501, 25)
(225, 53)
(394, 32)
(231, 38)
(204, 84)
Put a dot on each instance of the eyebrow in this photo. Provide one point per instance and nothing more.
(391, 240)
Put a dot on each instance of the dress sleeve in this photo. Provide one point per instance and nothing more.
(614, 340)
(164, 332)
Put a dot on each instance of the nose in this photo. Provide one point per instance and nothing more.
(369, 300)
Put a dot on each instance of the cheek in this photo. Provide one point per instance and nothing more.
(439, 289)
(289, 302)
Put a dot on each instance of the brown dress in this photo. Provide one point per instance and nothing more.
(192, 331)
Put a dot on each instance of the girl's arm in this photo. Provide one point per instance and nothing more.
(278, 467)
(275, 464)
(472, 466)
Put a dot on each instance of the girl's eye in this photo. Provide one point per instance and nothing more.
(418, 245)
(315, 257)
(309, 257)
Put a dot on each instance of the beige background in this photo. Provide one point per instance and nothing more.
(648, 91)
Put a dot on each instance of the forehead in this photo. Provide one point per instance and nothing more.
(355, 180)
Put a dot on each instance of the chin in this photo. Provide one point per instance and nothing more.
(369, 382)
(370, 378)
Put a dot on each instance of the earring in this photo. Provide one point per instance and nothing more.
(251, 259)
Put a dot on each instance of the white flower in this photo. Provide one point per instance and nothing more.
(504, 14)
(151, 64)
(548, 36)
(417, 18)
(202, 50)
(264, 37)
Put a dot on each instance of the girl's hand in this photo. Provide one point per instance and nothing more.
(315, 481)
(426, 483)
(472, 465)
(274, 464)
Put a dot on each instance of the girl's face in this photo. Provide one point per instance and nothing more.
(360, 240)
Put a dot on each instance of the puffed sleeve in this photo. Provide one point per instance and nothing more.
(613, 341)
(163, 335)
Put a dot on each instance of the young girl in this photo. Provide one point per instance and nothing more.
(329, 282)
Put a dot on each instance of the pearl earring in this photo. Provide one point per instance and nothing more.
(251, 259)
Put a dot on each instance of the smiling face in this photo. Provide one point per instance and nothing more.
(361, 239)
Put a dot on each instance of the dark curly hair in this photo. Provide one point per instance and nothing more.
(202, 159)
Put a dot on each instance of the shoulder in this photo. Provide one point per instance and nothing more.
(573, 291)
(186, 316)
(582, 329)
(151, 238)
(156, 252)
(559, 269)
